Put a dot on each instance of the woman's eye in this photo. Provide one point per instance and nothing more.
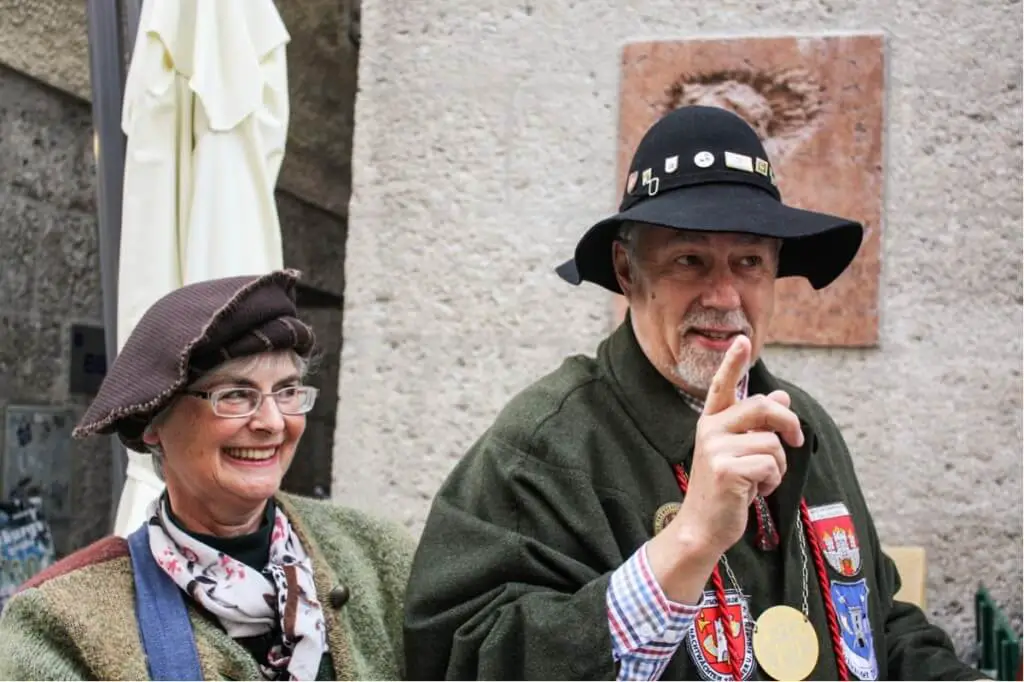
(237, 394)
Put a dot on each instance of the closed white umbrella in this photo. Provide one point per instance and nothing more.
(206, 116)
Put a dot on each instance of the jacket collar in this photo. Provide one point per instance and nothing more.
(652, 402)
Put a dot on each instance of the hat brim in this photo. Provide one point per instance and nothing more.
(816, 246)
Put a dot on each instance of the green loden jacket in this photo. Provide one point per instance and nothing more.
(76, 620)
(510, 576)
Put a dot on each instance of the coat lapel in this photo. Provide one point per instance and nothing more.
(651, 401)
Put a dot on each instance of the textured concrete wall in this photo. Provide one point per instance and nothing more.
(485, 144)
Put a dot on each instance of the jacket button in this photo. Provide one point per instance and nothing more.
(339, 596)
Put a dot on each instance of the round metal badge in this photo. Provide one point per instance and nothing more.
(703, 159)
(785, 643)
(664, 516)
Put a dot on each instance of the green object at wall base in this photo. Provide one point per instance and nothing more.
(998, 645)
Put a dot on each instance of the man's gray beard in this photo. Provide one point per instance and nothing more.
(697, 366)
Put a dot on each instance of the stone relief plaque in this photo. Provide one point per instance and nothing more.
(817, 104)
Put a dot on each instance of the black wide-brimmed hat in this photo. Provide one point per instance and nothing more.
(188, 332)
(704, 168)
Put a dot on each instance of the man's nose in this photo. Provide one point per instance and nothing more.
(721, 293)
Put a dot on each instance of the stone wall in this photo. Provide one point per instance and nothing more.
(49, 272)
(486, 143)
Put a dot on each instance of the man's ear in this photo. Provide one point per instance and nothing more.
(622, 270)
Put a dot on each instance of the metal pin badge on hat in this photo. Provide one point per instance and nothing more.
(703, 159)
(650, 181)
(631, 182)
(739, 162)
(672, 164)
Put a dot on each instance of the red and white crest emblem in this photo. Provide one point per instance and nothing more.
(835, 531)
(709, 648)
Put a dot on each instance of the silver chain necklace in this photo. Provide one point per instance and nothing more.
(804, 563)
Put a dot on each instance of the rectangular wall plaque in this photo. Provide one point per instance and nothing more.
(88, 359)
(817, 103)
(37, 446)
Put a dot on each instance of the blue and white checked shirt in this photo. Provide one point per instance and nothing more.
(646, 626)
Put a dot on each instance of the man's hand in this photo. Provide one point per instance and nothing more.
(737, 455)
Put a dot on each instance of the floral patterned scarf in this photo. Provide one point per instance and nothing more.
(280, 599)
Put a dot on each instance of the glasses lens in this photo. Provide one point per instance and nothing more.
(236, 402)
(295, 399)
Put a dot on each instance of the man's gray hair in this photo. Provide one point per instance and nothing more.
(302, 366)
(629, 235)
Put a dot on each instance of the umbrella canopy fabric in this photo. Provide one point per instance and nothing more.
(206, 117)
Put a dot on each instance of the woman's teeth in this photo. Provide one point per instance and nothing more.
(252, 454)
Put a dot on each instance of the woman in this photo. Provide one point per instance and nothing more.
(229, 577)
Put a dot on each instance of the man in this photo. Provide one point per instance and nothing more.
(559, 549)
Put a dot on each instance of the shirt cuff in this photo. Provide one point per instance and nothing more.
(640, 615)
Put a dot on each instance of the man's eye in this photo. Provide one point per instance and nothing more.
(751, 261)
(688, 261)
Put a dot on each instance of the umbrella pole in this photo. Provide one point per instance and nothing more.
(107, 56)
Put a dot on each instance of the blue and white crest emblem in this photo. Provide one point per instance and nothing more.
(851, 602)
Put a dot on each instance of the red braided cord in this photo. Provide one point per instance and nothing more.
(735, 655)
(826, 593)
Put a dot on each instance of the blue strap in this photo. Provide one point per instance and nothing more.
(164, 627)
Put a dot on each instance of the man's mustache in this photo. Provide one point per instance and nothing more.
(734, 320)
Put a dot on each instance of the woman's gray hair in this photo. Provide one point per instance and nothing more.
(243, 364)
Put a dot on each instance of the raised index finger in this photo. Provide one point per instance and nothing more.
(722, 392)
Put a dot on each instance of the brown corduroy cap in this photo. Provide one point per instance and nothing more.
(186, 333)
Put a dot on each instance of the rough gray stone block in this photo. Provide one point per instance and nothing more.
(48, 143)
(68, 274)
(21, 223)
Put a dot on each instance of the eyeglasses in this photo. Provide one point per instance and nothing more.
(238, 402)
